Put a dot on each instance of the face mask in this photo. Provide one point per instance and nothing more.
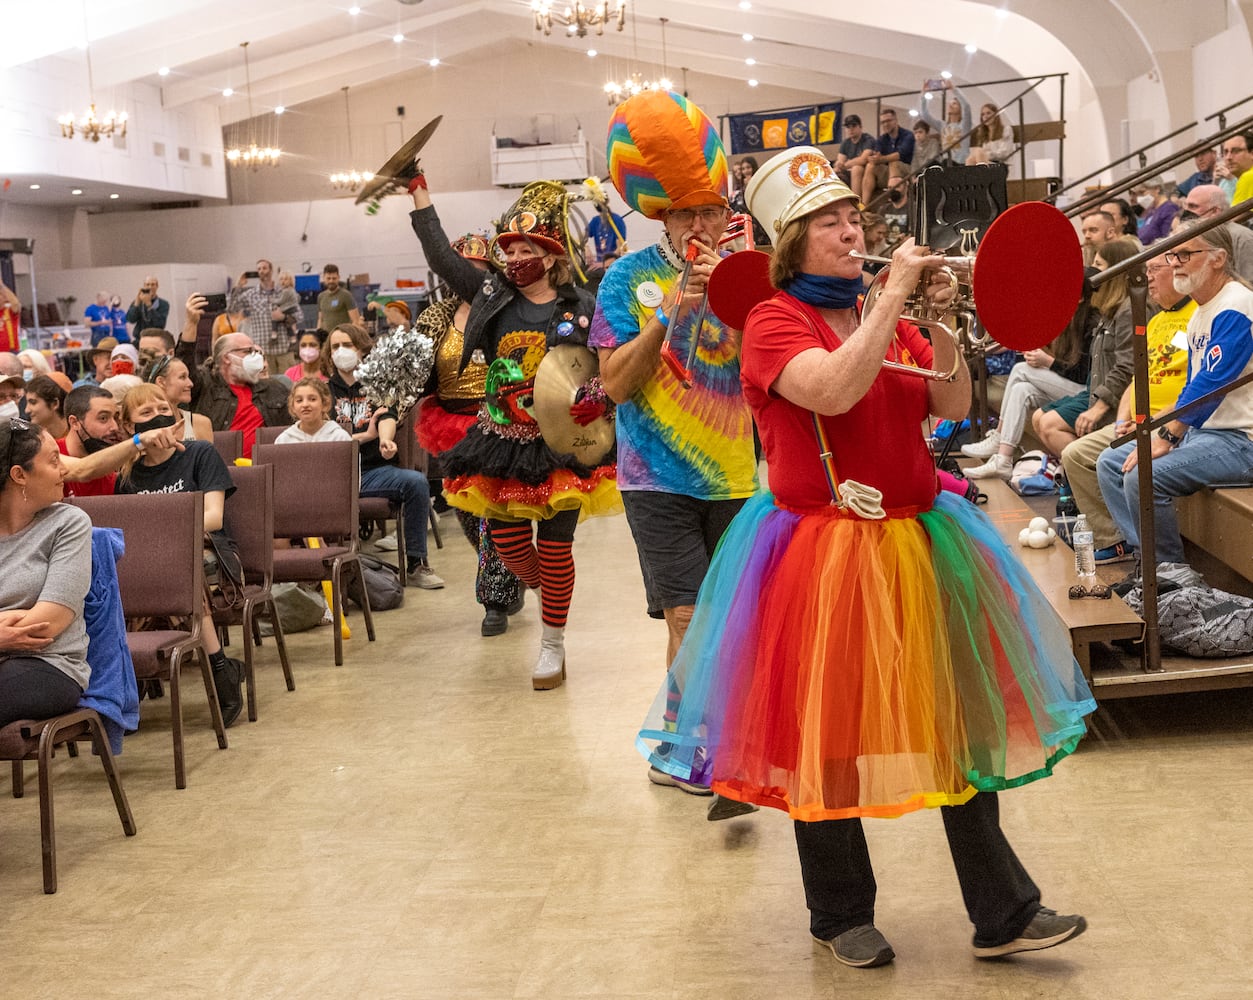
(123, 366)
(28, 374)
(1187, 215)
(160, 420)
(309, 354)
(525, 271)
(253, 366)
(1145, 201)
(91, 445)
(345, 358)
(896, 196)
(8, 409)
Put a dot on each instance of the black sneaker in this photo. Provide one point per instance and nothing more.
(1047, 928)
(495, 621)
(862, 947)
(723, 808)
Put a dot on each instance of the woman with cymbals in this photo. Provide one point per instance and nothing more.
(865, 645)
(503, 469)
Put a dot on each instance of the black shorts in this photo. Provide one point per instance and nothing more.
(675, 537)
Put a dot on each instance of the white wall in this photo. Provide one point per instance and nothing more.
(176, 282)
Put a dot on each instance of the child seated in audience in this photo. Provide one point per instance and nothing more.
(310, 406)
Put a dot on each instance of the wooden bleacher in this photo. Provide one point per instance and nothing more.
(1034, 188)
(1217, 520)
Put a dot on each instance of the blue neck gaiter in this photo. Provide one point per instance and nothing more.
(825, 292)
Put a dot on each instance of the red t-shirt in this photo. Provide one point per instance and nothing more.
(878, 441)
(247, 417)
(99, 487)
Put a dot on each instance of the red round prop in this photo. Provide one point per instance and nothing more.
(1028, 276)
(738, 283)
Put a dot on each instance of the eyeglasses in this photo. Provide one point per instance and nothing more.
(710, 216)
(1181, 256)
(15, 424)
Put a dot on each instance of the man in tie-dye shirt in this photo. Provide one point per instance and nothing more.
(686, 460)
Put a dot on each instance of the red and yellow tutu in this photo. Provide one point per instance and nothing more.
(838, 667)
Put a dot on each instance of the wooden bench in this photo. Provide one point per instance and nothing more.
(1090, 620)
(1221, 523)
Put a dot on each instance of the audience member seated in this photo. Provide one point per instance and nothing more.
(954, 141)
(1212, 443)
(173, 378)
(187, 467)
(45, 405)
(45, 549)
(124, 360)
(1238, 156)
(1045, 374)
(154, 343)
(33, 363)
(1205, 162)
(310, 406)
(1157, 211)
(992, 141)
(100, 362)
(233, 389)
(92, 415)
(119, 385)
(1168, 371)
(1204, 201)
(1124, 218)
(1060, 422)
(891, 159)
(926, 147)
(375, 428)
(1096, 227)
(309, 354)
(854, 155)
(12, 390)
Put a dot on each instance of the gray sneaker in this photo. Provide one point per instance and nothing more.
(862, 947)
(1047, 928)
(659, 777)
(421, 575)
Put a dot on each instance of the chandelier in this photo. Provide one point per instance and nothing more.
(635, 83)
(578, 17)
(91, 125)
(253, 156)
(349, 180)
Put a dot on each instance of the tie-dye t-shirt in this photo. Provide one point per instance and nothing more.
(695, 442)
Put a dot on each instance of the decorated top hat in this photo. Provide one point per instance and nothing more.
(472, 246)
(539, 217)
(792, 184)
(664, 153)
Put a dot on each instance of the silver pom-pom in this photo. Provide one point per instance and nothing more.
(395, 371)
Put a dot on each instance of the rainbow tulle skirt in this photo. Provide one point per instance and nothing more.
(837, 667)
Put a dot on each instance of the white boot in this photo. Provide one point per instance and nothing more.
(996, 467)
(985, 448)
(550, 668)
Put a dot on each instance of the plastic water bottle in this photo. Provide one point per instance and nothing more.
(1085, 554)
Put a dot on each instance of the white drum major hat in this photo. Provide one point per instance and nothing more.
(793, 184)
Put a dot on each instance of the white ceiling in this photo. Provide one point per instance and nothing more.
(301, 50)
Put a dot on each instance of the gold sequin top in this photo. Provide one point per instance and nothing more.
(468, 385)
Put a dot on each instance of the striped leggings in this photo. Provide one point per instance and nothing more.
(545, 562)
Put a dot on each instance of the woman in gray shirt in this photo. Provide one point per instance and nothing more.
(45, 549)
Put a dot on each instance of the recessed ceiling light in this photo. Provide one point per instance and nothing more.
(750, 61)
(34, 187)
(279, 110)
(398, 38)
(1001, 12)
(745, 5)
(747, 37)
(163, 71)
(913, 112)
(228, 91)
(592, 53)
(946, 74)
(752, 83)
(76, 191)
(354, 10)
(434, 62)
(114, 197)
(972, 48)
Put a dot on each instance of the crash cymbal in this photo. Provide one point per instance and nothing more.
(399, 166)
(564, 370)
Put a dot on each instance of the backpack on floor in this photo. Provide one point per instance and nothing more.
(382, 584)
(1198, 621)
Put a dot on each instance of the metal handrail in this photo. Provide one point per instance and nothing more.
(1221, 113)
(1136, 153)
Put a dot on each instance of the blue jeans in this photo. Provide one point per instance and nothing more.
(407, 486)
(1205, 457)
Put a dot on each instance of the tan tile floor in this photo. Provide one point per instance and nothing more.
(419, 823)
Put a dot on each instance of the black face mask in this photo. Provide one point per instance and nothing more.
(160, 420)
(91, 445)
(1187, 216)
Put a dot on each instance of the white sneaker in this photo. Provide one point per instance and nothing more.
(387, 543)
(985, 448)
(996, 467)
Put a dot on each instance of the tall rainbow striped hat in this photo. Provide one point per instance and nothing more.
(664, 153)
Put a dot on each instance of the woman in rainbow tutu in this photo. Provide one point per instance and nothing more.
(864, 644)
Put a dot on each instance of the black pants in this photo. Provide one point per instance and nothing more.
(840, 886)
(31, 688)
